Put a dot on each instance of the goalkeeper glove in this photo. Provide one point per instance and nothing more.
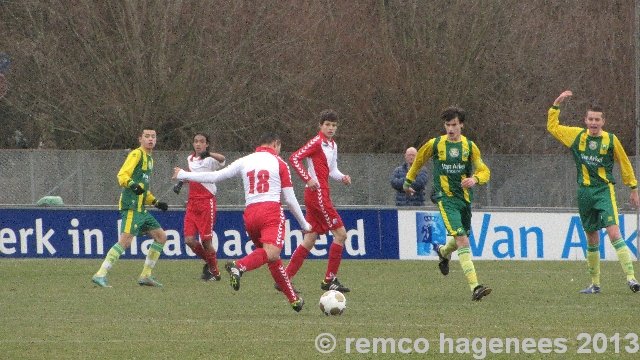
(205, 154)
(161, 205)
(137, 189)
(177, 187)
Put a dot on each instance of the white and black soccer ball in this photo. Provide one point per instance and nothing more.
(333, 302)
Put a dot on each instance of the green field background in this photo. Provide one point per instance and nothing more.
(50, 309)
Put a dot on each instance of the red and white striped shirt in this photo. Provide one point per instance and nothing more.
(322, 161)
(202, 190)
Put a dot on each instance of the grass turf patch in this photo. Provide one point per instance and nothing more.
(51, 309)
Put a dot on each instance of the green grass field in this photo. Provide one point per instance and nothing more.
(50, 309)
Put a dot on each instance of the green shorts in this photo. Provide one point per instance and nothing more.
(137, 223)
(456, 214)
(597, 207)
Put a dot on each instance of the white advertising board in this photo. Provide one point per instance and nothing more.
(510, 236)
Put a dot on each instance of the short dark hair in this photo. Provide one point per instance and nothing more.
(595, 108)
(268, 138)
(143, 128)
(453, 112)
(329, 115)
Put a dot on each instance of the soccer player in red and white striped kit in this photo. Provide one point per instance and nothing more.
(200, 216)
(321, 153)
(267, 181)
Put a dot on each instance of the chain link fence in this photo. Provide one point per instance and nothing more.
(88, 178)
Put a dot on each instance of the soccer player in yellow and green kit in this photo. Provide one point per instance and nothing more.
(454, 159)
(594, 152)
(136, 220)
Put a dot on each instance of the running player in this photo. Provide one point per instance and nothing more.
(454, 159)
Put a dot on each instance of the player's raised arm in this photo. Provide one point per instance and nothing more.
(561, 97)
(566, 134)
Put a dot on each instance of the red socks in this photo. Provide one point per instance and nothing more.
(212, 261)
(209, 258)
(335, 255)
(279, 275)
(253, 261)
(295, 263)
(200, 251)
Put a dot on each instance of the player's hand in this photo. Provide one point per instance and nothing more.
(346, 180)
(177, 187)
(408, 190)
(137, 189)
(468, 182)
(176, 170)
(205, 154)
(313, 184)
(633, 199)
(560, 99)
(161, 205)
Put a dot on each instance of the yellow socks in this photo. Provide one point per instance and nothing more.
(152, 256)
(625, 259)
(593, 263)
(464, 255)
(112, 256)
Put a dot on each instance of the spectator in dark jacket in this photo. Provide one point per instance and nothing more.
(397, 179)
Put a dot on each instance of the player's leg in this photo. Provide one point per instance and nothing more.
(591, 223)
(280, 276)
(593, 262)
(609, 216)
(153, 229)
(624, 256)
(444, 251)
(300, 253)
(450, 213)
(190, 232)
(205, 225)
(263, 221)
(333, 223)
(457, 218)
(124, 241)
(330, 281)
(314, 218)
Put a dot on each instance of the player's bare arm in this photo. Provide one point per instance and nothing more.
(176, 170)
(560, 99)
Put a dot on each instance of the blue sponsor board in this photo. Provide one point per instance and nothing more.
(430, 230)
(64, 233)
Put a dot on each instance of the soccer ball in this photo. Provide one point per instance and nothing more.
(332, 302)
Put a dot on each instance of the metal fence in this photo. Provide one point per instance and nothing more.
(87, 177)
